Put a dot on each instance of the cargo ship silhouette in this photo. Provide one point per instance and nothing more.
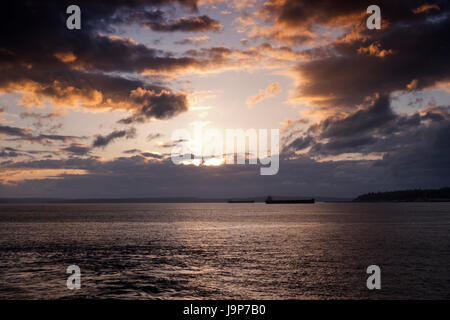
(269, 200)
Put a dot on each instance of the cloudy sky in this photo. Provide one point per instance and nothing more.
(90, 112)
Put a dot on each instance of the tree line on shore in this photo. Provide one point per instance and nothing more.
(415, 195)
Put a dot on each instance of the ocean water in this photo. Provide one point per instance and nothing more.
(224, 251)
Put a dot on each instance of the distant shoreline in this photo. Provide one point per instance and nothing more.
(222, 201)
(413, 196)
(107, 200)
(259, 199)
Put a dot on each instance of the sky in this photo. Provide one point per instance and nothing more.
(90, 113)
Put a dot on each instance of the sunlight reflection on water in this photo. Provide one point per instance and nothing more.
(223, 251)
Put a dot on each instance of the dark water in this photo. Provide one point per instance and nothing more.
(221, 251)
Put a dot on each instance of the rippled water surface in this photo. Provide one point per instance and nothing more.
(222, 251)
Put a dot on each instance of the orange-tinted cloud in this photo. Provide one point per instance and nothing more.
(20, 175)
(375, 50)
(271, 91)
(412, 85)
(425, 7)
(193, 40)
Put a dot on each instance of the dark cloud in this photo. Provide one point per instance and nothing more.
(392, 60)
(152, 155)
(345, 133)
(156, 20)
(77, 149)
(48, 138)
(161, 105)
(135, 176)
(39, 116)
(132, 151)
(296, 21)
(171, 144)
(98, 52)
(9, 153)
(43, 120)
(329, 12)
(191, 24)
(153, 136)
(298, 144)
(377, 130)
(75, 88)
(26, 135)
(87, 49)
(376, 115)
(103, 141)
(72, 68)
(13, 131)
(420, 152)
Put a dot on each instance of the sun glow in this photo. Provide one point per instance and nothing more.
(195, 162)
(214, 162)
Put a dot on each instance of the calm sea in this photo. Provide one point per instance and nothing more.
(223, 251)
